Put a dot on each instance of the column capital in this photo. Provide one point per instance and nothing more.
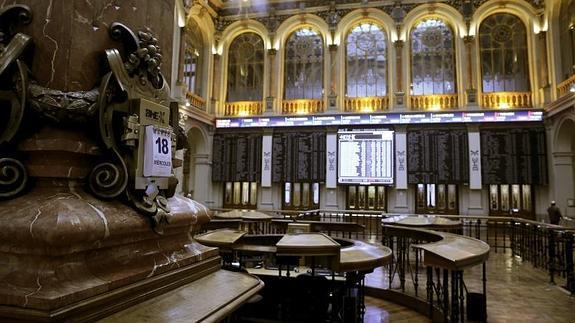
(468, 39)
(398, 44)
(333, 48)
(272, 51)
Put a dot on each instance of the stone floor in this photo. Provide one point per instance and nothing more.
(516, 292)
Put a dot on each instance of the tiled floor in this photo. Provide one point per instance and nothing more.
(516, 292)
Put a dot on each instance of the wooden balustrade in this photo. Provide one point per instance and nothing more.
(565, 86)
(302, 106)
(506, 100)
(434, 102)
(196, 101)
(366, 104)
(243, 108)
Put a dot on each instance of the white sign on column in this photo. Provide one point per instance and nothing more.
(266, 161)
(474, 160)
(401, 160)
(331, 161)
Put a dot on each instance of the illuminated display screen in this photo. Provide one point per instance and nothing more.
(382, 119)
(365, 156)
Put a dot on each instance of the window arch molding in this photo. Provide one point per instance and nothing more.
(205, 30)
(555, 25)
(527, 15)
(228, 36)
(283, 32)
(346, 24)
(454, 20)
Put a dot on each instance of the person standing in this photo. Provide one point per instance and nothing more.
(554, 213)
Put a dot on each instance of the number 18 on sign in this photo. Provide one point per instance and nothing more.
(158, 152)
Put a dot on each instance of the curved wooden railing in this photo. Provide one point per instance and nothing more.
(506, 100)
(196, 101)
(434, 102)
(243, 108)
(302, 106)
(565, 86)
(366, 104)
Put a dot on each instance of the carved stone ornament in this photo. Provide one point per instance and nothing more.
(116, 107)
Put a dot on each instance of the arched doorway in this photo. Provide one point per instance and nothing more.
(196, 167)
(564, 167)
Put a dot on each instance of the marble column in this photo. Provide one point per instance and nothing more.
(78, 239)
(399, 91)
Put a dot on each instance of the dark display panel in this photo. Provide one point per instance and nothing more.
(514, 156)
(298, 157)
(236, 158)
(437, 156)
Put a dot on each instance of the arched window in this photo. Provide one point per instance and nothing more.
(567, 37)
(504, 59)
(366, 55)
(246, 68)
(432, 58)
(304, 65)
(193, 57)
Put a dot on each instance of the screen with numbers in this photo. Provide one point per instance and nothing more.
(365, 156)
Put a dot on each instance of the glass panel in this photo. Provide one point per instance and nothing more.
(366, 47)
(526, 197)
(515, 198)
(296, 194)
(245, 193)
(305, 194)
(494, 197)
(193, 57)
(237, 193)
(452, 196)
(381, 197)
(246, 68)
(287, 194)
(420, 196)
(441, 196)
(351, 197)
(228, 193)
(315, 193)
(304, 65)
(431, 196)
(371, 197)
(254, 193)
(505, 198)
(503, 47)
(433, 58)
(361, 197)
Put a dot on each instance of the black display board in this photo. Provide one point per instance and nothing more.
(298, 157)
(437, 156)
(514, 156)
(236, 157)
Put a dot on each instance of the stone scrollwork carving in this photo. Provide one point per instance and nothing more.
(13, 96)
(119, 106)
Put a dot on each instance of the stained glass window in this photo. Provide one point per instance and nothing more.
(366, 55)
(246, 68)
(504, 59)
(304, 65)
(193, 57)
(432, 58)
